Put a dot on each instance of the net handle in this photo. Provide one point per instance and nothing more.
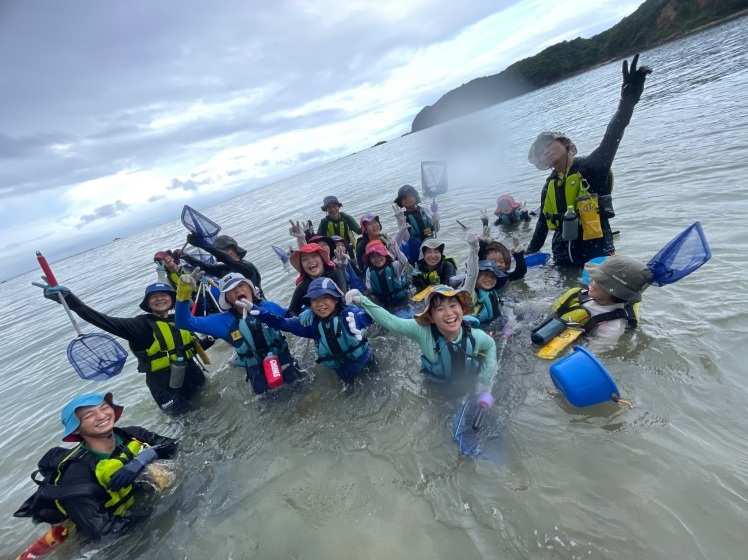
(52, 281)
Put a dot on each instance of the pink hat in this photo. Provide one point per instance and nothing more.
(502, 207)
(378, 248)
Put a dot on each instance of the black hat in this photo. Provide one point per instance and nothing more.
(330, 200)
(406, 190)
(225, 241)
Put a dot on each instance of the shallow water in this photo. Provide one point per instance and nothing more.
(317, 472)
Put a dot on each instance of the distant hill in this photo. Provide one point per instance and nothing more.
(655, 21)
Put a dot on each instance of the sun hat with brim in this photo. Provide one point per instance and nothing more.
(535, 154)
(156, 288)
(226, 241)
(623, 277)
(367, 218)
(512, 205)
(328, 241)
(70, 420)
(404, 191)
(430, 243)
(321, 250)
(330, 200)
(160, 255)
(501, 248)
(463, 296)
(379, 248)
(322, 287)
(228, 283)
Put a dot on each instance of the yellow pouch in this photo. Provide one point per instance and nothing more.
(589, 215)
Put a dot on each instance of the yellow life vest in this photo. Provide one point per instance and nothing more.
(169, 343)
(553, 209)
(121, 500)
(570, 308)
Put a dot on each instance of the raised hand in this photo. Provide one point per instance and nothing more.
(295, 229)
(518, 247)
(51, 292)
(633, 80)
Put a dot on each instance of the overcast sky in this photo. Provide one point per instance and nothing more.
(115, 114)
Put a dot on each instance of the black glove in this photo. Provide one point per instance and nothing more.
(127, 474)
(194, 240)
(633, 80)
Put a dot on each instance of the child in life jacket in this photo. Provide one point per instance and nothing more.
(385, 277)
(312, 261)
(610, 305)
(432, 267)
(423, 223)
(252, 340)
(337, 330)
(497, 252)
(484, 281)
(508, 212)
(336, 222)
(450, 346)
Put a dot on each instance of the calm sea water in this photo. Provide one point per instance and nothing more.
(315, 472)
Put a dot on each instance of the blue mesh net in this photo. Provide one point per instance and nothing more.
(201, 226)
(434, 177)
(202, 256)
(96, 357)
(679, 258)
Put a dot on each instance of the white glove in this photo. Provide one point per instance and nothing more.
(399, 213)
(518, 247)
(341, 256)
(352, 297)
(484, 215)
(435, 221)
(486, 233)
(246, 308)
(295, 229)
(194, 278)
(472, 241)
(351, 319)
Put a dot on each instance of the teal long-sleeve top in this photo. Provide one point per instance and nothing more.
(422, 335)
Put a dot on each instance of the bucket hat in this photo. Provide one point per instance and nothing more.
(366, 218)
(430, 243)
(154, 288)
(463, 296)
(70, 420)
(489, 265)
(404, 191)
(380, 249)
(225, 241)
(322, 287)
(501, 248)
(330, 200)
(321, 250)
(505, 198)
(534, 156)
(228, 283)
(623, 277)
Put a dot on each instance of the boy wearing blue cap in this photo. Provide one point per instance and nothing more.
(154, 339)
(484, 281)
(94, 485)
(337, 330)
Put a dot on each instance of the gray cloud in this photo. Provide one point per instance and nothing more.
(188, 185)
(105, 211)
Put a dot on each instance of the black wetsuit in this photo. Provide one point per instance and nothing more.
(88, 513)
(595, 168)
(138, 332)
(226, 264)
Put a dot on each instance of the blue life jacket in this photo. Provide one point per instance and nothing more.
(386, 286)
(258, 340)
(452, 358)
(490, 306)
(420, 225)
(336, 346)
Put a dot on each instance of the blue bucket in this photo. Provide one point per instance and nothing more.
(537, 259)
(583, 380)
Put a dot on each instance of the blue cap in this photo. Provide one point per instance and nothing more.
(491, 265)
(70, 420)
(321, 287)
(153, 288)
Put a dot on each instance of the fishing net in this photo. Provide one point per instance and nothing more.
(201, 226)
(434, 178)
(202, 256)
(96, 357)
(679, 258)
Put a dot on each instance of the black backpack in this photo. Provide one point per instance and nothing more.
(40, 506)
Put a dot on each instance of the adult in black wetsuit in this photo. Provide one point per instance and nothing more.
(153, 338)
(561, 189)
(230, 257)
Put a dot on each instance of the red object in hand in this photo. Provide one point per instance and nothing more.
(273, 375)
(51, 280)
(46, 542)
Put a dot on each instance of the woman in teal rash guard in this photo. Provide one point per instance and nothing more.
(450, 346)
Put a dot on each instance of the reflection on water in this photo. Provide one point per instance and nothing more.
(317, 472)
